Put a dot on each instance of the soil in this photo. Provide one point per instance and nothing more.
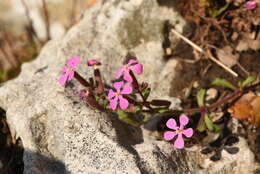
(205, 71)
(204, 30)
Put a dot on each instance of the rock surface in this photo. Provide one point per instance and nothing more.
(54, 125)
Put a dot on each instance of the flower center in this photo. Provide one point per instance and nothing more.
(118, 94)
(71, 68)
(179, 131)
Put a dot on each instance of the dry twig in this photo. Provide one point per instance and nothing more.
(27, 13)
(47, 20)
(208, 54)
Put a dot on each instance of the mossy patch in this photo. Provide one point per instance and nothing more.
(141, 26)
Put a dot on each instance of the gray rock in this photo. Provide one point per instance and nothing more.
(60, 134)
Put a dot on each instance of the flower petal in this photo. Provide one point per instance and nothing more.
(127, 89)
(127, 76)
(70, 75)
(183, 120)
(138, 68)
(62, 80)
(123, 102)
(188, 132)
(111, 94)
(73, 62)
(118, 86)
(179, 143)
(171, 123)
(132, 61)
(119, 73)
(64, 70)
(250, 5)
(93, 62)
(168, 135)
(113, 103)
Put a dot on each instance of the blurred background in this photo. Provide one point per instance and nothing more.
(26, 25)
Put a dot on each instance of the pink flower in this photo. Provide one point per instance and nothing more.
(169, 135)
(132, 65)
(68, 70)
(115, 96)
(93, 62)
(250, 5)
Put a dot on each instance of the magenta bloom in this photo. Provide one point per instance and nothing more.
(68, 70)
(93, 62)
(169, 135)
(250, 5)
(132, 65)
(117, 96)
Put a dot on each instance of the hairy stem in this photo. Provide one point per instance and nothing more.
(81, 80)
(98, 81)
(136, 85)
(234, 95)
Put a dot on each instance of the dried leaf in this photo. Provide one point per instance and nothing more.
(227, 56)
(247, 107)
(242, 108)
(255, 114)
(248, 43)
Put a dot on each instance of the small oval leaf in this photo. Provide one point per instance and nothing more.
(223, 83)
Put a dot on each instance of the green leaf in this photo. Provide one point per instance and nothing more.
(239, 84)
(146, 93)
(224, 83)
(147, 118)
(249, 80)
(204, 3)
(210, 125)
(216, 128)
(163, 110)
(105, 103)
(123, 116)
(201, 127)
(218, 12)
(188, 91)
(200, 97)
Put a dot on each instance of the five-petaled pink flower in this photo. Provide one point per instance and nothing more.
(132, 65)
(68, 70)
(118, 95)
(250, 5)
(169, 135)
(93, 62)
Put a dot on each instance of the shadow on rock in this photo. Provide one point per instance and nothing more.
(14, 159)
